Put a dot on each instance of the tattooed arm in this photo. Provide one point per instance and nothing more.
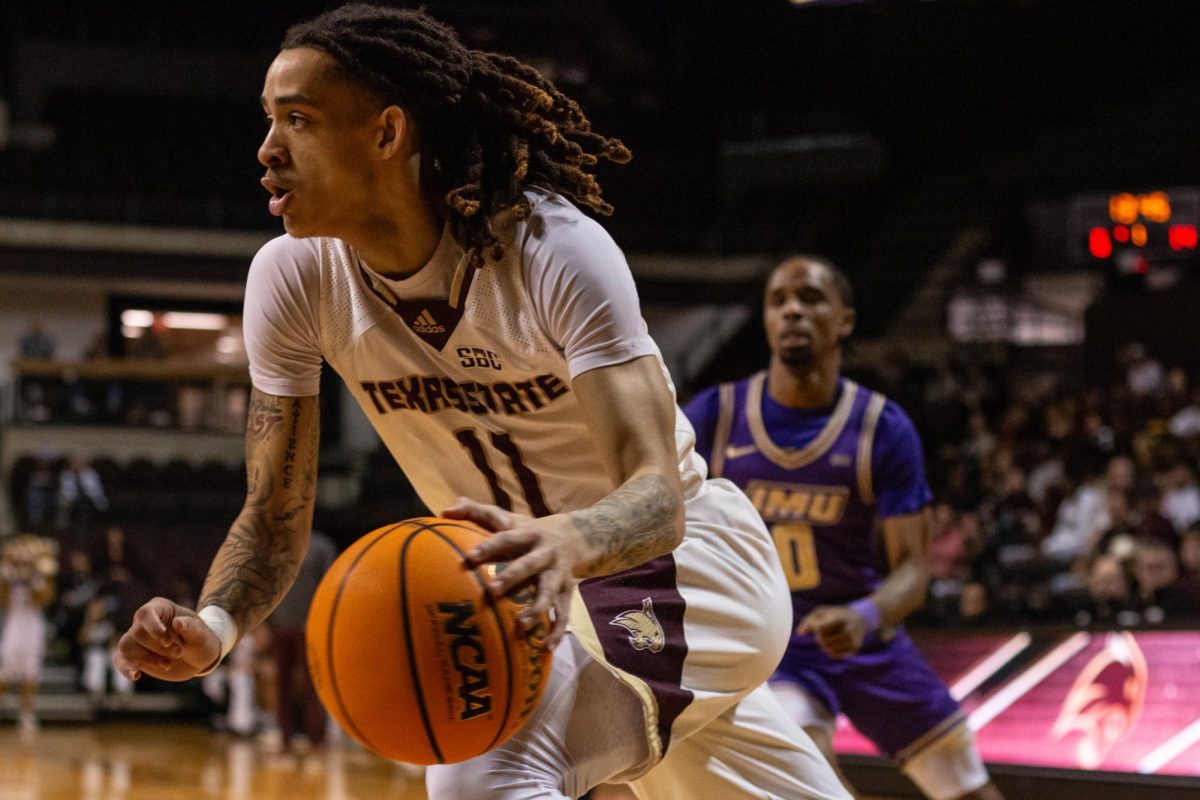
(262, 553)
(260, 557)
(631, 418)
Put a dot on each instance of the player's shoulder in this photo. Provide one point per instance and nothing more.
(703, 403)
(288, 252)
(555, 223)
(893, 421)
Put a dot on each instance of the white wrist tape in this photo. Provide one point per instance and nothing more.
(222, 624)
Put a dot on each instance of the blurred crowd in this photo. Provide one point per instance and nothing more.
(1055, 502)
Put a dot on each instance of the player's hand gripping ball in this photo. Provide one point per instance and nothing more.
(412, 656)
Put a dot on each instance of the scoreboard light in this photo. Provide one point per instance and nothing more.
(1182, 237)
(1155, 224)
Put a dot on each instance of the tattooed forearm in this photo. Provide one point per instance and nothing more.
(264, 548)
(265, 413)
(637, 522)
(253, 569)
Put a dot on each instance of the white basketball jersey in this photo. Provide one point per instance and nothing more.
(466, 374)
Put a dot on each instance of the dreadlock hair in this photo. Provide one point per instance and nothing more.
(489, 125)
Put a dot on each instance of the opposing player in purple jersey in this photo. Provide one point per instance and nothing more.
(824, 460)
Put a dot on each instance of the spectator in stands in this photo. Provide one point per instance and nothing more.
(1117, 538)
(1080, 515)
(1189, 568)
(1189, 551)
(81, 498)
(1109, 593)
(1144, 375)
(297, 703)
(1150, 523)
(36, 343)
(1156, 572)
(41, 492)
(121, 570)
(97, 638)
(1180, 494)
(78, 586)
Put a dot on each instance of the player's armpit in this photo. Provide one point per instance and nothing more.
(262, 553)
(631, 418)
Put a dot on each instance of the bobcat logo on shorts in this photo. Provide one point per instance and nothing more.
(644, 631)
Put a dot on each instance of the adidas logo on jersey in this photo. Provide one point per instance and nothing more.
(425, 323)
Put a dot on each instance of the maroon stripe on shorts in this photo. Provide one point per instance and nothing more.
(608, 597)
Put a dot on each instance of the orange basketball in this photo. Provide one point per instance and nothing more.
(410, 654)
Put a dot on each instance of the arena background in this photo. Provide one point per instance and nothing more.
(1012, 185)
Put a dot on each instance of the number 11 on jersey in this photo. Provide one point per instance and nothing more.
(525, 476)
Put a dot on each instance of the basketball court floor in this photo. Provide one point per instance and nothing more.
(184, 762)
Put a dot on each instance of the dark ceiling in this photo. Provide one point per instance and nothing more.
(968, 109)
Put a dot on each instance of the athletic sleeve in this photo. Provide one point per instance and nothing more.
(280, 316)
(702, 410)
(582, 290)
(898, 465)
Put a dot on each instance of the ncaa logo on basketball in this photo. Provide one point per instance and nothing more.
(644, 631)
(467, 657)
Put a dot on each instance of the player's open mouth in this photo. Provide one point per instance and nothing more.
(279, 196)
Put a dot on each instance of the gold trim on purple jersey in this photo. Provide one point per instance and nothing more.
(725, 409)
(866, 439)
(787, 457)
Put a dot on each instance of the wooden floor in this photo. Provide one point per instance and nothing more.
(156, 762)
(187, 762)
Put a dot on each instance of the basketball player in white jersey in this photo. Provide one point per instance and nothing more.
(492, 334)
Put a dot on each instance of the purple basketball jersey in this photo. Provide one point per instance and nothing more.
(817, 500)
(821, 480)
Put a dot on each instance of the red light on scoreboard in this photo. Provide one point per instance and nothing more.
(1099, 245)
(1182, 237)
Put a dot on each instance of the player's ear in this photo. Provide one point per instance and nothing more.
(396, 133)
(847, 324)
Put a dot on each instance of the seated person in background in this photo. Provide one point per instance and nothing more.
(41, 493)
(81, 497)
(1109, 594)
(1189, 569)
(36, 343)
(1156, 571)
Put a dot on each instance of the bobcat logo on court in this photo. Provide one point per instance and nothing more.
(644, 631)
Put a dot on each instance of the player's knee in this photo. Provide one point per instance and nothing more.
(485, 779)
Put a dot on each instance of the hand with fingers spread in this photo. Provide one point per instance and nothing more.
(839, 630)
(166, 641)
(545, 552)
